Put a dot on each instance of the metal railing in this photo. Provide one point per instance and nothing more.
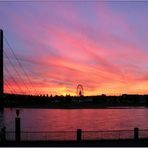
(76, 135)
(107, 135)
(143, 134)
(10, 135)
(48, 136)
(42, 135)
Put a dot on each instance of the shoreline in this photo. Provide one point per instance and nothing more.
(78, 107)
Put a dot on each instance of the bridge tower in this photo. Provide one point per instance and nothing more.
(1, 71)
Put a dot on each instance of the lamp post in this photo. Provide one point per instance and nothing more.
(17, 127)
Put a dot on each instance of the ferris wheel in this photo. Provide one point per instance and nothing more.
(80, 90)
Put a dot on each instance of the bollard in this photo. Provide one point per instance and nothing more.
(17, 127)
(79, 134)
(3, 134)
(136, 133)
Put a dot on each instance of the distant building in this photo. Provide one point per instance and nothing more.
(142, 99)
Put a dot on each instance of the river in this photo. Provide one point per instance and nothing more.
(72, 119)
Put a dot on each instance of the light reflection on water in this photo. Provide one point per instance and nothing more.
(72, 119)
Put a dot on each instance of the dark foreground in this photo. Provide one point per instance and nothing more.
(102, 143)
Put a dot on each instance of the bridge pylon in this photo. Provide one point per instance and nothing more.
(1, 71)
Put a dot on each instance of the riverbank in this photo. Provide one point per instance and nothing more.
(75, 107)
(73, 102)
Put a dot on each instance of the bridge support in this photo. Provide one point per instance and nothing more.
(1, 71)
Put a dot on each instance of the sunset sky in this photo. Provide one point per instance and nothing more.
(101, 45)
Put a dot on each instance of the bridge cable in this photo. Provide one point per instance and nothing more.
(16, 71)
(27, 76)
(13, 90)
(7, 70)
(9, 87)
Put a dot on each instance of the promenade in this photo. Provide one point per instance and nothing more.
(90, 143)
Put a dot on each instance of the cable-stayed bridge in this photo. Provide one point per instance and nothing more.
(12, 72)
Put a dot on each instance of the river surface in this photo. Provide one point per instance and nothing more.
(72, 119)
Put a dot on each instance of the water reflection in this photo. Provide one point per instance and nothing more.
(72, 119)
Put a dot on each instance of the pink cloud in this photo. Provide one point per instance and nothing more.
(60, 58)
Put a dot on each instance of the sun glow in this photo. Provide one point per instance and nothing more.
(105, 50)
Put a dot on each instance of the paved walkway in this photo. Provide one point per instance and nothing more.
(102, 143)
